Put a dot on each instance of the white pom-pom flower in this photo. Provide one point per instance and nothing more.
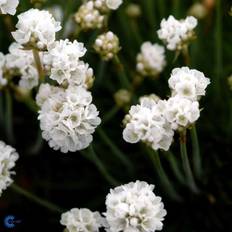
(3, 80)
(8, 156)
(21, 63)
(151, 60)
(81, 220)
(177, 33)
(188, 83)
(65, 66)
(181, 112)
(68, 119)
(146, 122)
(36, 28)
(8, 6)
(134, 207)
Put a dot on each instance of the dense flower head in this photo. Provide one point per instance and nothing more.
(20, 62)
(177, 33)
(63, 61)
(8, 156)
(151, 60)
(188, 83)
(8, 6)
(67, 118)
(134, 207)
(3, 80)
(107, 45)
(181, 112)
(89, 17)
(81, 220)
(36, 28)
(146, 122)
(106, 5)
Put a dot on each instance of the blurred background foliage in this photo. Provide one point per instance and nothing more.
(75, 179)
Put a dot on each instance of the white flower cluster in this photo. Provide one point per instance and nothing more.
(146, 122)
(188, 83)
(8, 6)
(134, 207)
(107, 45)
(81, 220)
(21, 62)
(3, 80)
(89, 17)
(153, 121)
(177, 33)
(67, 117)
(8, 156)
(151, 60)
(36, 28)
(105, 5)
(62, 59)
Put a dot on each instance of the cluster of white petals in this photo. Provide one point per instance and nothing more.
(151, 60)
(81, 220)
(8, 156)
(3, 80)
(36, 28)
(176, 33)
(107, 45)
(67, 117)
(181, 112)
(146, 122)
(64, 64)
(134, 207)
(109, 4)
(188, 83)
(8, 6)
(21, 62)
(89, 17)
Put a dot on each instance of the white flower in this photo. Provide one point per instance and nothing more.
(181, 112)
(63, 60)
(134, 207)
(81, 220)
(113, 4)
(3, 80)
(8, 6)
(146, 122)
(21, 63)
(151, 59)
(89, 17)
(36, 28)
(188, 83)
(8, 156)
(107, 45)
(68, 119)
(177, 33)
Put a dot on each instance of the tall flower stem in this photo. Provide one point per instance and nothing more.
(197, 164)
(110, 114)
(36, 199)
(155, 159)
(121, 73)
(185, 161)
(186, 56)
(38, 64)
(9, 116)
(92, 156)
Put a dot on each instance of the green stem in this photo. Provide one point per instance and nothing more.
(121, 73)
(100, 72)
(197, 163)
(120, 155)
(185, 53)
(154, 156)
(174, 166)
(1, 111)
(38, 64)
(36, 199)
(92, 156)
(109, 115)
(9, 117)
(186, 163)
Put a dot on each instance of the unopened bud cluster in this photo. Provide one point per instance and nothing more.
(107, 45)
